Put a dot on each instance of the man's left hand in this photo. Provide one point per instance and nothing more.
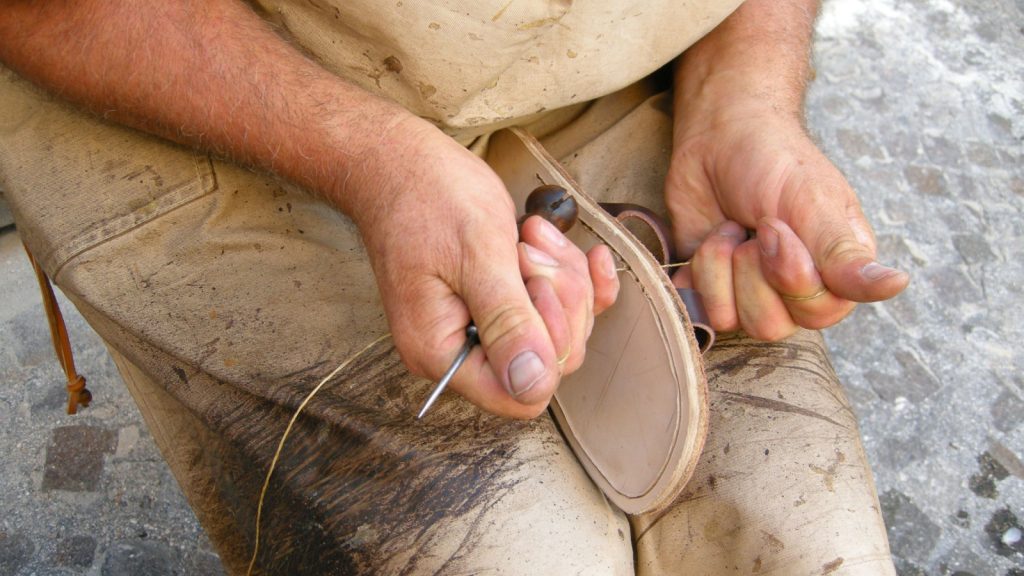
(813, 256)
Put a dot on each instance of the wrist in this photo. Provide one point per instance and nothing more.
(355, 148)
(755, 64)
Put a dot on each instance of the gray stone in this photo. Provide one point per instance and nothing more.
(973, 248)
(908, 568)
(1007, 411)
(954, 283)
(206, 564)
(915, 381)
(53, 399)
(857, 145)
(959, 563)
(927, 180)
(16, 551)
(134, 557)
(912, 534)
(74, 458)
(942, 151)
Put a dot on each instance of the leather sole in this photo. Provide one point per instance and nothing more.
(635, 413)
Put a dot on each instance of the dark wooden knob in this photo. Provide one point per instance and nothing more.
(554, 204)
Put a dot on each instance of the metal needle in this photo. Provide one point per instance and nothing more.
(472, 339)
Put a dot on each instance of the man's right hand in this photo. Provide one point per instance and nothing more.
(437, 222)
(441, 233)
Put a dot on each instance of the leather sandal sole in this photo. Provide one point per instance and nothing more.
(635, 414)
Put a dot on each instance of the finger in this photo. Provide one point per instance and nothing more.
(512, 333)
(604, 277)
(545, 300)
(762, 313)
(690, 201)
(712, 274)
(830, 223)
(788, 267)
(574, 295)
(429, 341)
(542, 234)
(571, 280)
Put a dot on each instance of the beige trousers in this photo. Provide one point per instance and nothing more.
(225, 295)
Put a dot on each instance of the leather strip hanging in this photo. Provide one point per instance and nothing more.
(78, 394)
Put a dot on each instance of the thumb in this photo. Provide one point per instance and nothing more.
(512, 333)
(842, 244)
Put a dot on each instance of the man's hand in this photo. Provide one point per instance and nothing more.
(440, 229)
(814, 253)
(742, 161)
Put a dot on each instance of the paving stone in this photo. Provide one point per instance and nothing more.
(858, 144)
(915, 381)
(205, 563)
(74, 458)
(973, 248)
(76, 552)
(912, 534)
(908, 568)
(963, 564)
(135, 557)
(15, 552)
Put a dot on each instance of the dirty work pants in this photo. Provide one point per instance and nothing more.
(225, 295)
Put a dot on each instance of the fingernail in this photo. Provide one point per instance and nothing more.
(552, 234)
(733, 230)
(768, 240)
(524, 371)
(539, 256)
(875, 271)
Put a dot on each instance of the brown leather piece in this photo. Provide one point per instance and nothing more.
(78, 394)
(626, 213)
(702, 329)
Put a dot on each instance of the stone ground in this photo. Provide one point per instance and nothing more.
(920, 102)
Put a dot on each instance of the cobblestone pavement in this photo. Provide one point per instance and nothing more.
(920, 102)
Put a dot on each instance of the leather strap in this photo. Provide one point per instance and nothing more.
(627, 213)
(78, 394)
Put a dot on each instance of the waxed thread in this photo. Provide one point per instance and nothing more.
(663, 266)
(284, 436)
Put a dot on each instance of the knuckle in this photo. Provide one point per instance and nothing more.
(843, 249)
(716, 249)
(505, 324)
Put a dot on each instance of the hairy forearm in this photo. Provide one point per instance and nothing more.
(209, 74)
(758, 57)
